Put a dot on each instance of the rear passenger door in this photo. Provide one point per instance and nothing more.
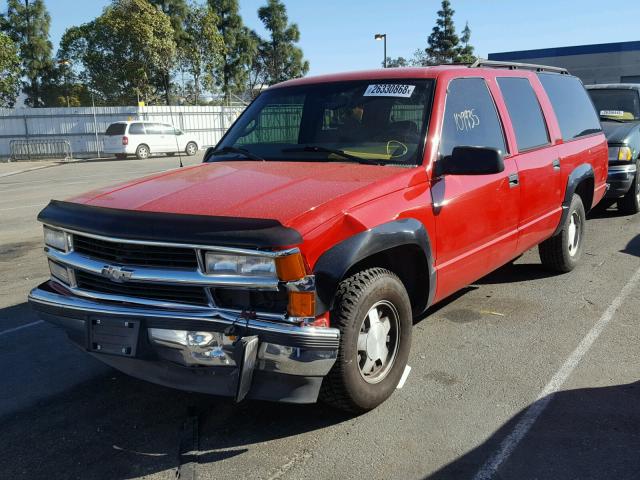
(476, 215)
(538, 162)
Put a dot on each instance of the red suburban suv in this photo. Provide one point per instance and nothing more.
(291, 263)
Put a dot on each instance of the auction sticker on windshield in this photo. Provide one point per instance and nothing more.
(611, 113)
(389, 90)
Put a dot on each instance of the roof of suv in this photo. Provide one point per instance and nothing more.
(421, 72)
(617, 86)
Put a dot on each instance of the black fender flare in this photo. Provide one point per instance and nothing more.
(334, 263)
(576, 177)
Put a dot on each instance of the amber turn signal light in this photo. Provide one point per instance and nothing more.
(302, 304)
(290, 267)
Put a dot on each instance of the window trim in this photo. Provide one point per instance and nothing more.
(506, 154)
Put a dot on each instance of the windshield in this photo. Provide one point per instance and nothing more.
(623, 104)
(381, 122)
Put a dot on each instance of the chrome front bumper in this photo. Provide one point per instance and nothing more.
(197, 351)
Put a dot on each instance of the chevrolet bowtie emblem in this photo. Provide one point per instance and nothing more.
(116, 274)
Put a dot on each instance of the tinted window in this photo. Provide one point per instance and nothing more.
(620, 104)
(470, 117)
(524, 110)
(153, 128)
(571, 104)
(168, 129)
(116, 129)
(136, 129)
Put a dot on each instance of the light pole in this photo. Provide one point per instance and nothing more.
(382, 36)
(66, 63)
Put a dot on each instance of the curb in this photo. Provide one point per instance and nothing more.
(9, 174)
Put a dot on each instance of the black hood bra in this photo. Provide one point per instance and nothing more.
(169, 227)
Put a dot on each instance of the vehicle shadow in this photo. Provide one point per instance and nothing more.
(633, 247)
(588, 433)
(108, 425)
(516, 272)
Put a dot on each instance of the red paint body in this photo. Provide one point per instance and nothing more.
(476, 223)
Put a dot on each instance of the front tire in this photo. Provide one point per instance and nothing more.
(630, 203)
(142, 152)
(562, 252)
(373, 312)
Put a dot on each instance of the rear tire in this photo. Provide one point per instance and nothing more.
(142, 152)
(191, 149)
(562, 252)
(630, 203)
(373, 312)
(121, 156)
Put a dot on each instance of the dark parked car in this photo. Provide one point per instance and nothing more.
(618, 105)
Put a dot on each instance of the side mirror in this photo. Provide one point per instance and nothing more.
(472, 161)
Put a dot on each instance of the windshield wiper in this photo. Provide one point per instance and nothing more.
(240, 151)
(341, 153)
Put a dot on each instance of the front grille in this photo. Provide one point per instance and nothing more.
(135, 254)
(150, 291)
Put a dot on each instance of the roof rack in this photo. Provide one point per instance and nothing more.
(518, 66)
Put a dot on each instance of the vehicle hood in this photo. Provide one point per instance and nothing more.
(281, 191)
(617, 132)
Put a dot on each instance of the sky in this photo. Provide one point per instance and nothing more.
(337, 35)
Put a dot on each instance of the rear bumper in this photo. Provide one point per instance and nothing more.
(289, 365)
(620, 179)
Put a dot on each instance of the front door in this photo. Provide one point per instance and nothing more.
(476, 215)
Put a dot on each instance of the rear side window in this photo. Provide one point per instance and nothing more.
(168, 129)
(470, 117)
(525, 112)
(571, 104)
(153, 128)
(136, 129)
(116, 129)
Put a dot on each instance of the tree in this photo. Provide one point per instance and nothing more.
(124, 54)
(231, 72)
(202, 47)
(27, 24)
(465, 51)
(283, 59)
(397, 62)
(256, 68)
(443, 41)
(9, 72)
(177, 11)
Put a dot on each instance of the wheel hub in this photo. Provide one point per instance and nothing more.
(378, 342)
(573, 233)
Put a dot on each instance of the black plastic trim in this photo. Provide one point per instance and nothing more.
(169, 227)
(333, 264)
(579, 174)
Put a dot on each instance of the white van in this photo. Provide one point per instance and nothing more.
(144, 138)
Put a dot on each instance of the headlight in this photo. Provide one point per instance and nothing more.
(55, 238)
(625, 154)
(60, 272)
(228, 264)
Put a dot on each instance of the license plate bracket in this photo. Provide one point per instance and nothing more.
(113, 336)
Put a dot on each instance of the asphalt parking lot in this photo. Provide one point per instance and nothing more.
(523, 375)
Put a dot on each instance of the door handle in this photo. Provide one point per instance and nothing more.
(514, 180)
(556, 164)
